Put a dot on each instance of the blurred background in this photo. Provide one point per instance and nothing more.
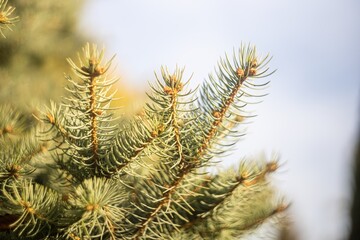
(310, 117)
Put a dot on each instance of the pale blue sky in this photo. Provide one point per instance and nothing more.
(311, 114)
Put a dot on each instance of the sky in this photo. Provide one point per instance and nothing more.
(310, 116)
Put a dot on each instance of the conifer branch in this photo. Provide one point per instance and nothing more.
(247, 67)
(95, 203)
(86, 129)
(221, 113)
(35, 206)
(244, 179)
(279, 209)
(170, 90)
(92, 71)
(172, 105)
(133, 142)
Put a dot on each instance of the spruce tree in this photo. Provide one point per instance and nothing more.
(80, 172)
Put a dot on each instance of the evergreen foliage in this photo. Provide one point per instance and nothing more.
(82, 173)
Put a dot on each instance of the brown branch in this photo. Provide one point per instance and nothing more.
(177, 87)
(93, 121)
(176, 126)
(94, 71)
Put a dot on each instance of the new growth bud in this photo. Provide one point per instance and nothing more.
(240, 72)
(216, 114)
(175, 85)
(253, 65)
(252, 72)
